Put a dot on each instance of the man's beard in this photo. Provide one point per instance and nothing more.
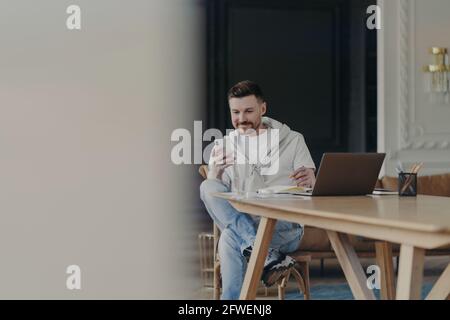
(248, 127)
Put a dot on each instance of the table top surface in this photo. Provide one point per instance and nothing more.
(422, 213)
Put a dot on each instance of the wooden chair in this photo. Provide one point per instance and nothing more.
(300, 271)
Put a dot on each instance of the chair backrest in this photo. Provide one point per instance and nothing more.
(203, 170)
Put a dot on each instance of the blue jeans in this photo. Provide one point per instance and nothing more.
(238, 231)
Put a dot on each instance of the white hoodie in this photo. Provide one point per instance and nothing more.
(291, 151)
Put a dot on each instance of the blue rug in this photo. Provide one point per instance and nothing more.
(339, 292)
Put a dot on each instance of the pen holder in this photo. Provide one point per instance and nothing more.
(407, 184)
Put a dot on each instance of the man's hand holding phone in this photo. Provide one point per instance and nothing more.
(221, 158)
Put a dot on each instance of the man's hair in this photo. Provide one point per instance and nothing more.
(244, 89)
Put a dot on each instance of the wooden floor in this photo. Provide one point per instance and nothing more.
(434, 266)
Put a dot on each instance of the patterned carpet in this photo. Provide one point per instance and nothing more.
(339, 292)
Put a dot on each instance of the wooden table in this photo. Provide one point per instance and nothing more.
(416, 223)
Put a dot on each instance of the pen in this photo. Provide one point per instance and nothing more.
(399, 167)
(414, 170)
(292, 175)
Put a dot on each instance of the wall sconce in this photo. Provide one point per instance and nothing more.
(437, 76)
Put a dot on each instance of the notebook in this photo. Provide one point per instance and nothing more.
(285, 190)
(384, 192)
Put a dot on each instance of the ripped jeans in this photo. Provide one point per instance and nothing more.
(238, 232)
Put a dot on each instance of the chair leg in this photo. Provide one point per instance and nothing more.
(217, 282)
(299, 279)
(303, 279)
(397, 262)
(304, 269)
(281, 292)
(282, 286)
(301, 276)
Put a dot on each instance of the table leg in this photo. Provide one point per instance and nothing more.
(256, 263)
(384, 261)
(441, 289)
(351, 266)
(410, 273)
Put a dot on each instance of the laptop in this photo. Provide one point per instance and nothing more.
(347, 174)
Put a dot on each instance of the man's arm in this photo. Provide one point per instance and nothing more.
(304, 167)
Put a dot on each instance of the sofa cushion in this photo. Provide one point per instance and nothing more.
(315, 240)
(437, 185)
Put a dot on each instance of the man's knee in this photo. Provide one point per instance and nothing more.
(209, 187)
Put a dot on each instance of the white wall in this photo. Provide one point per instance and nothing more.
(410, 127)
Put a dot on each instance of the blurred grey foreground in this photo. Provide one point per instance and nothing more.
(85, 170)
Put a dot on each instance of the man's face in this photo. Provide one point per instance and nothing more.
(246, 113)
